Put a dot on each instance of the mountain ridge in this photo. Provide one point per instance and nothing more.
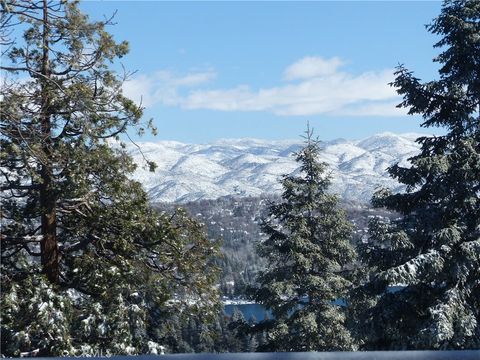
(253, 167)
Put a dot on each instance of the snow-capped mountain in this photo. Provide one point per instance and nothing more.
(251, 167)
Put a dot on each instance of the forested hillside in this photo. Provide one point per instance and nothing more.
(236, 222)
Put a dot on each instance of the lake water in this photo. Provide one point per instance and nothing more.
(257, 311)
(249, 311)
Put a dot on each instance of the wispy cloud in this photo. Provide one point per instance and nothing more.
(314, 85)
(164, 86)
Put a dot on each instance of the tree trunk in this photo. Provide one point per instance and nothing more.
(48, 246)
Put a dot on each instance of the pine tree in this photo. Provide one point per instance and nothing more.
(238, 340)
(307, 253)
(433, 250)
(77, 233)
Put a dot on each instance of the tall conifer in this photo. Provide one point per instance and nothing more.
(307, 252)
(432, 252)
(83, 256)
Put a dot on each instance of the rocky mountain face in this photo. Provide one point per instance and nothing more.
(251, 167)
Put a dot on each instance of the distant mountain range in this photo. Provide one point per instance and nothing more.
(252, 167)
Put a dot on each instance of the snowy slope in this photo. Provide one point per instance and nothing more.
(252, 167)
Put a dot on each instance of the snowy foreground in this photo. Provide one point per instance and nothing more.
(249, 167)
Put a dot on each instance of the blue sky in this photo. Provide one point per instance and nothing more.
(209, 70)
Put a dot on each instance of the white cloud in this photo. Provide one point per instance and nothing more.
(163, 86)
(312, 66)
(334, 94)
(315, 86)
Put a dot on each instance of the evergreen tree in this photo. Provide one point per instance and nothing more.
(80, 244)
(433, 251)
(307, 252)
(238, 339)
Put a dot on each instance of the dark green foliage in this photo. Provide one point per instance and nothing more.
(433, 250)
(84, 259)
(218, 334)
(307, 251)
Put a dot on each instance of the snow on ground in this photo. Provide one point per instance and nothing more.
(252, 167)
